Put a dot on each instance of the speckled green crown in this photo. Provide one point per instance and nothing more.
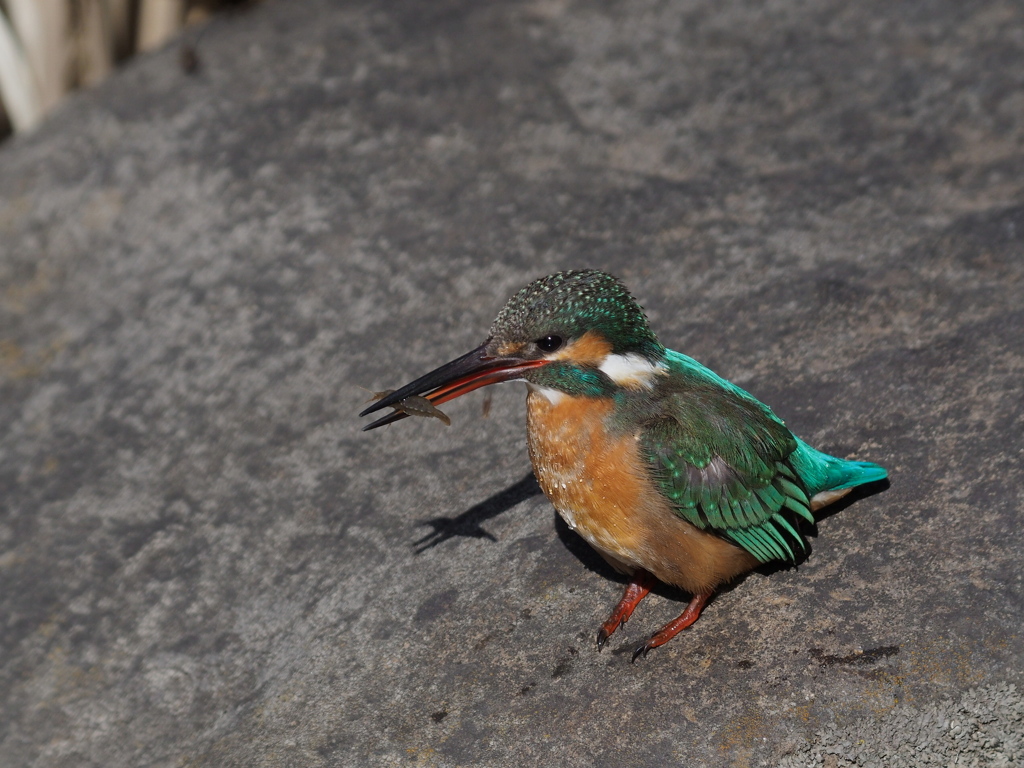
(571, 303)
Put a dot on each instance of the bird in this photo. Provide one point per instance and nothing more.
(669, 471)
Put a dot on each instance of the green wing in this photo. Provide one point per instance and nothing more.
(722, 459)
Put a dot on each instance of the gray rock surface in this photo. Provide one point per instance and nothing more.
(203, 562)
(985, 727)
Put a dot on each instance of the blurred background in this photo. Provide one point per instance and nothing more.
(51, 47)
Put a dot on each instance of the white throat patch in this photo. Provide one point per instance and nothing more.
(553, 395)
(631, 371)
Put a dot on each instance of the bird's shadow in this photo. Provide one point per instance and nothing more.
(468, 523)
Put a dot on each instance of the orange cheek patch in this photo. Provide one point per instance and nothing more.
(590, 348)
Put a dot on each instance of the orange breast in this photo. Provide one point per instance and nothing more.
(601, 488)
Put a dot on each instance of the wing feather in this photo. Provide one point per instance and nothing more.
(721, 458)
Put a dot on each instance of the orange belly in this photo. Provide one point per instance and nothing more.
(602, 490)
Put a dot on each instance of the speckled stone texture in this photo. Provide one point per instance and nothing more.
(204, 562)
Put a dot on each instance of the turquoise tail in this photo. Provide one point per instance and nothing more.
(821, 472)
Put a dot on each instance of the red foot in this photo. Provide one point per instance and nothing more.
(639, 585)
(674, 627)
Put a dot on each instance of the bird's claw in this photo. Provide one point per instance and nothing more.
(641, 650)
(602, 638)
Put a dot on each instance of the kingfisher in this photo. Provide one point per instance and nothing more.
(670, 472)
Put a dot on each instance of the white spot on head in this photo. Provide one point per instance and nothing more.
(631, 370)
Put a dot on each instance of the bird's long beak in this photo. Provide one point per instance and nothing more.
(464, 374)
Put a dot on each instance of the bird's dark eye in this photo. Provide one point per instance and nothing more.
(549, 343)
